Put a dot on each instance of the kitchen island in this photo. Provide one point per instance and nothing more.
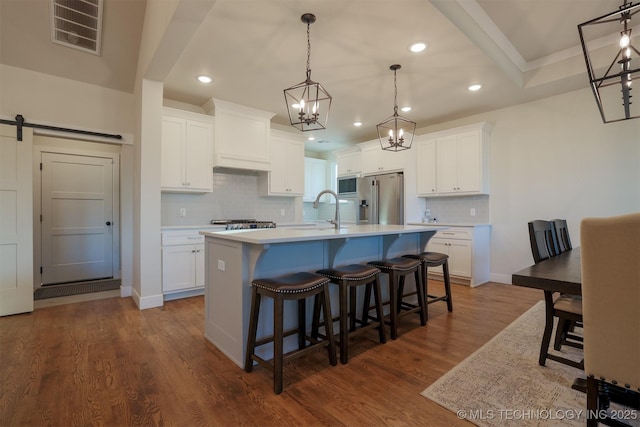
(234, 258)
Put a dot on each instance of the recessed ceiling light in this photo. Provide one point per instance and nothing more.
(356, 124)
(311, 138)
(204, 79)
(475, 87)
(406, 109)
(418, 47)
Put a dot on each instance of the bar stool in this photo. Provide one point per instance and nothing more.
(398, 269)
(296, 286)
(435, 259)
(348, 278)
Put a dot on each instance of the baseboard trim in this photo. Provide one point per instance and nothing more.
(500, 278)
(147, 302)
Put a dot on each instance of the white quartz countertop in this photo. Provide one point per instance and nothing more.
(307, 233)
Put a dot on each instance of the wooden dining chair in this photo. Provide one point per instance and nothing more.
(611, 297)
(562, 234)
(566, 308)
(565, 332)
(544, 243)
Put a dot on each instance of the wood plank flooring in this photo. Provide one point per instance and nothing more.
(106, 363)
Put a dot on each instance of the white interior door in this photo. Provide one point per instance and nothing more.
(77, 218)
(16, 227)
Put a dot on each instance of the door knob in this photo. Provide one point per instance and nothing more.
(108, 222)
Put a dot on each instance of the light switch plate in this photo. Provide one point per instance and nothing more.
(221, 265)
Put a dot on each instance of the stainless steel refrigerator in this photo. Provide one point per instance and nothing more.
(381, 199)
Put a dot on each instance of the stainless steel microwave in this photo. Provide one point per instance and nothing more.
(348, 187)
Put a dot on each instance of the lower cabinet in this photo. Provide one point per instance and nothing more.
(182, 261)
(468, 249)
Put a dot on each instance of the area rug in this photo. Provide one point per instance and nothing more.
(63, 290)
(502, 383)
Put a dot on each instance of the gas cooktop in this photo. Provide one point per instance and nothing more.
(242, 224)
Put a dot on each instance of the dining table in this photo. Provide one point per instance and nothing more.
(560, 273)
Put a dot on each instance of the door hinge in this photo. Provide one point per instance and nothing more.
(40, 217)
(40, 165)
(40, 270)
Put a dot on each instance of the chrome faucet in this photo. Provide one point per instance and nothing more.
(336, 221)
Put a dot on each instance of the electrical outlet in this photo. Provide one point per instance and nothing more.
(221, 265)
(183, 212)
(472, 212)
(427, 212)
(281, 212)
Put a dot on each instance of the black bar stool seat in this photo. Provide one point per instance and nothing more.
(398, 269)
(348, 278)
(296, 286)
(435, 259)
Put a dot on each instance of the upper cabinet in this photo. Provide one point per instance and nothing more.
(375, 160)
(241, 137)
(349, 163)
(286, 177)
(426, 170)
(461, 164)
(315, 178)
(186, 152)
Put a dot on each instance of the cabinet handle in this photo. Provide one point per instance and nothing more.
(193, 251)
(193, 237)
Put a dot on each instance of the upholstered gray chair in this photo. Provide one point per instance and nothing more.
(610, 258)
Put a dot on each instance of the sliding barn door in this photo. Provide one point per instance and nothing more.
(16, 221)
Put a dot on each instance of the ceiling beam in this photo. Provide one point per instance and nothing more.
(472, 21)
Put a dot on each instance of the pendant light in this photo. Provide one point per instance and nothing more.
(308, 103)
(613, 88)
(396, 133)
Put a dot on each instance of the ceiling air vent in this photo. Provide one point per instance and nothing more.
(77, 24)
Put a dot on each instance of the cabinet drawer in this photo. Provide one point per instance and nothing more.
(456, 233)
(169, 239)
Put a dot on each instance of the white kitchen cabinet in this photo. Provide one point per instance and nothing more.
(349, 164)
(454, 162)
(182, 261)
(315, 178)
(468, 248)
(286, 177)
(426, 167)
(186, 152)
(459, 163)
(375, 160)
(242, 137)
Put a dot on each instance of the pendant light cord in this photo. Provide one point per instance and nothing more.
(395, 94)
(308, 52)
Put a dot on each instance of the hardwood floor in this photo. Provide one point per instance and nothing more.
(104, 362)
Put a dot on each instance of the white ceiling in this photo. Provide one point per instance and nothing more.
(519, 50)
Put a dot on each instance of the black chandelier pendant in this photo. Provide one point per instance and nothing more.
(614, 87)
(308, 103)
(396, 132)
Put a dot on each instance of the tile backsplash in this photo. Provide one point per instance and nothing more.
(327, 211)
(235, 196)
(458, 209)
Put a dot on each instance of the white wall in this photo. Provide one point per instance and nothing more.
(554, 158)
